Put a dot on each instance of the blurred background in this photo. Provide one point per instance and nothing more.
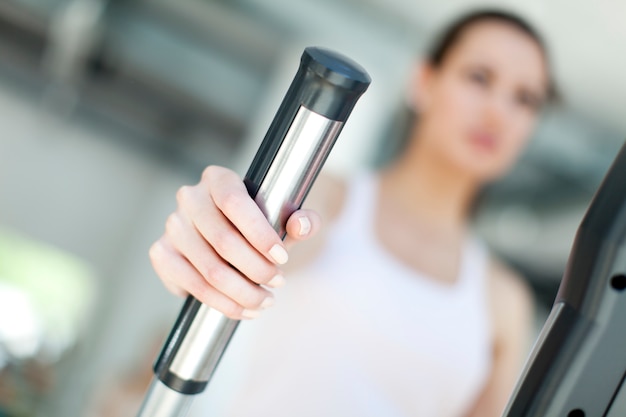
(107, 107)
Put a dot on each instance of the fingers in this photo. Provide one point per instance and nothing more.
(181, 277)
(219, 247)
(204, 238)
(220, 240)
(231, 197)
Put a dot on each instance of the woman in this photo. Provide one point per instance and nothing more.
(394, 308)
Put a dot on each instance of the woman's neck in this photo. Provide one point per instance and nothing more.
(435, 195)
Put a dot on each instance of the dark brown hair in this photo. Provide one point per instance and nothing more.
(442, 46)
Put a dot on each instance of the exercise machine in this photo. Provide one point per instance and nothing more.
(322, 95)
(577, 367)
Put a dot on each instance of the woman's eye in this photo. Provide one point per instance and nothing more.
(478, 77)
(528, 100)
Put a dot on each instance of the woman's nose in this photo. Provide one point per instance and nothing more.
(499, 108)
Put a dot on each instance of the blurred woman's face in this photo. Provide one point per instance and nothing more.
(479, 106)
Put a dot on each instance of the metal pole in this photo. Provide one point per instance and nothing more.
(578, 365)
(302, 134)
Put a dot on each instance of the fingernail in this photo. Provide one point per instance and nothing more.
(277, 281)
(250, 314)
(305, 226)
(279, 254)
(268, 302)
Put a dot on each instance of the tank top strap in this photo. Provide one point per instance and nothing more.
(473, 273)
(474, 280)
(359, 205)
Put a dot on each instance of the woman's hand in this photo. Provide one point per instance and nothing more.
(216, 225)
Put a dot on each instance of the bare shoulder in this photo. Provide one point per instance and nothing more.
(511, 299)
(508, 285)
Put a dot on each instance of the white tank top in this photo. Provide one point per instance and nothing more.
(358, 333)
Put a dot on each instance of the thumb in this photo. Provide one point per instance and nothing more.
(302, 225)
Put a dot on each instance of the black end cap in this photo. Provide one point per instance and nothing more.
(328, 83)
(336, 69)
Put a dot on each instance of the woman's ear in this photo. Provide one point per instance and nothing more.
(419, 87)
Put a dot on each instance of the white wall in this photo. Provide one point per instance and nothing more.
(92, 196)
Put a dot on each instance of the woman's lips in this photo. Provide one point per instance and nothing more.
(484, 141)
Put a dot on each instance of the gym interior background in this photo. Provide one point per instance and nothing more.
(107, 107)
